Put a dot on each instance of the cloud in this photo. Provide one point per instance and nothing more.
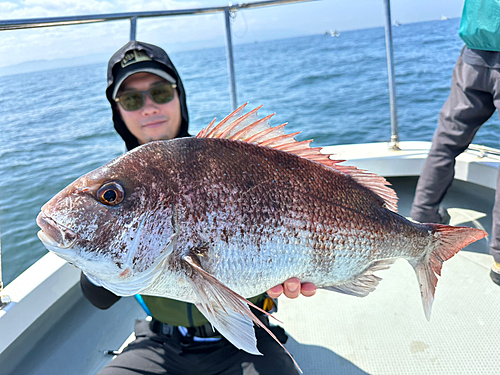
(55, 8)
(6, 7)
(59, 8)
(74, 41)
(137, 6)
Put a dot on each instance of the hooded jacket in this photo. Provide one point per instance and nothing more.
(159, 56)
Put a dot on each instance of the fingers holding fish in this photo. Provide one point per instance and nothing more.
(292, 288)
(307, 289)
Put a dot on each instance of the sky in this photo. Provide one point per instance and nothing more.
(101, 40)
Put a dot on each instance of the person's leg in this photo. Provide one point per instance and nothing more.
(152, 354)
(149, 354)
(495, 233)
(228, 360)
(469, 105)
(495, 236)
(142, 356)
(274, 361)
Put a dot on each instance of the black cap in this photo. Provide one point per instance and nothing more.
(136, 61)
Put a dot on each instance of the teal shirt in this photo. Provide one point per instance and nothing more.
(480, 25)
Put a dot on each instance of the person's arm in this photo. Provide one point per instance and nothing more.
(292, 289)
(97, 295)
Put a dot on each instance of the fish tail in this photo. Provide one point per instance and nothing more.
(447, 241)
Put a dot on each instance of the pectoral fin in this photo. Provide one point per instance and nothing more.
(226, 310)
(235, 327)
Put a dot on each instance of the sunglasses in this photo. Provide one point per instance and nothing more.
(135, 100)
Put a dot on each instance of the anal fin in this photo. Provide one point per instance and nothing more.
(365, 283)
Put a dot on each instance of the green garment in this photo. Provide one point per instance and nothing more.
(480, 25)
(178, 313)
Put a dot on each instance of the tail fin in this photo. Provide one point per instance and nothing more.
(448, 241)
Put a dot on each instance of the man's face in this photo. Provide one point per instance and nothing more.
(153, 122)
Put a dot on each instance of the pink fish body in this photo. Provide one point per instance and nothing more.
(227, 215)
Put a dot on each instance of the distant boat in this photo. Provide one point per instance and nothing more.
(334, 33)
(397, 23)
(444, 18)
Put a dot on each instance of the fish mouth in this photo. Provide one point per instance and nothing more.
(54, 235)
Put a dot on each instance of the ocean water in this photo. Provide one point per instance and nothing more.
(55, 125)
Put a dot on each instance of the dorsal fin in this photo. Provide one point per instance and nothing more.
(249, 128)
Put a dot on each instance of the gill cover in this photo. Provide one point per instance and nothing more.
(132, 282)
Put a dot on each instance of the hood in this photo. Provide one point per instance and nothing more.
(160, 56)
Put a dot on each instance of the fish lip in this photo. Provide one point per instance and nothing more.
(53, 234)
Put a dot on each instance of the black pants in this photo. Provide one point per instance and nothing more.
(153, 353)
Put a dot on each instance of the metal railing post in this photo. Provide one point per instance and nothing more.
(230, 60)
(133, 28)
(390, 71)
(4, 300)
(1, 280)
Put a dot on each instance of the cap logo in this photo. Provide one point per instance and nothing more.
(133, 57)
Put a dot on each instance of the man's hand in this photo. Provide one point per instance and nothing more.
(292, 289)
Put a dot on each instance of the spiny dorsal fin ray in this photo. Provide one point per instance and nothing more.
(249, 128)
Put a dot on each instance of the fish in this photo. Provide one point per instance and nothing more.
(224, 216)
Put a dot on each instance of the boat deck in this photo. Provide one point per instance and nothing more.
(387, 332)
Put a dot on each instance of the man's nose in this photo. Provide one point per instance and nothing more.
(150, 107)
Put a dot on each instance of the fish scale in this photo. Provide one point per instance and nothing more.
(227, 215)
(309, 233)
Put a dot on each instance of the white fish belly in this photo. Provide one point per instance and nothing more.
(251, 269)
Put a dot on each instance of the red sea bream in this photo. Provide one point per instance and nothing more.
(226, 215)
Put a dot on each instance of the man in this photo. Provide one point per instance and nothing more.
(148, 102)
(474, 96)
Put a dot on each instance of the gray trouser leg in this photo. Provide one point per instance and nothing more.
(475, 92)
(469, 105)
(495, 233)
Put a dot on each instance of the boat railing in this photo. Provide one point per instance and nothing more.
(229, 12)
(484, 151)
(4, 300)
(391, 75)
(1, 282)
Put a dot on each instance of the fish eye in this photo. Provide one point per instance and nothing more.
(110, 194)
